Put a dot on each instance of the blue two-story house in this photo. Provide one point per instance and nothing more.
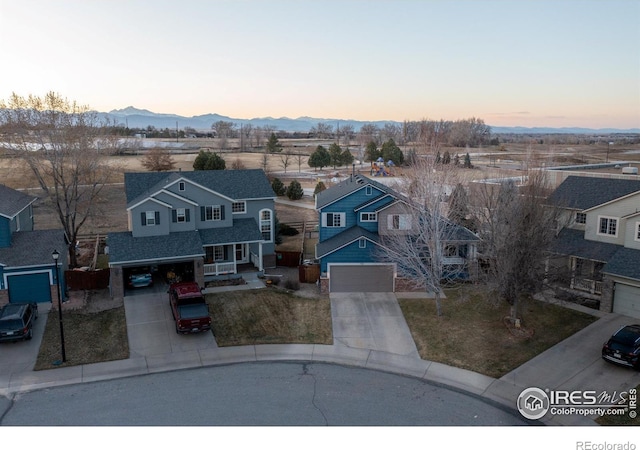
(27, 268)
(196, 225)
(354, 215)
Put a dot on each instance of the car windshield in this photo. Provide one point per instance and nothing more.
(626, 336)
(10, 324)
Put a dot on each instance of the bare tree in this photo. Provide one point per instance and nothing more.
(299, 158)
(322, 130)
(158, 160)
(60, 142)
(224, 131)
(517, 227)
(285, 159)
(429, 251)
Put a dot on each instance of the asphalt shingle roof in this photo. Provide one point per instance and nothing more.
(32, 248)
(347, 236)
(12, 201)
(243, 230)
(124, 248)
(625, 263)
(586, 192)
(572, 242)
(235, 184)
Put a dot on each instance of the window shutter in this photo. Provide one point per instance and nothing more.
(390, 221)
(343, 220)
(324, 219)
(187, 214)
(202, 216)
(174, 215)
(143, 218)
(226, 253)
(221, 212)
(157, 217)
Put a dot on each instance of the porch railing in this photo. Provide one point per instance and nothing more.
(222, 268)
(583, 284)
(255, 260)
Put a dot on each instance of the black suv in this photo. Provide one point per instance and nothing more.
(16, 321)
(624, 347)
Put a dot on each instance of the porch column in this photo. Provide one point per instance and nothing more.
(260, 264)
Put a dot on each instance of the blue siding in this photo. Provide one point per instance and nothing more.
(351, 253)
(5, 233)
(346, 205)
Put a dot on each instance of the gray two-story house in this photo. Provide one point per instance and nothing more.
(599, 248)
(198, 225)
(27, 269)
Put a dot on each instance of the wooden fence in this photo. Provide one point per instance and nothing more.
(309, 273)
(288, 259)
(78, 280)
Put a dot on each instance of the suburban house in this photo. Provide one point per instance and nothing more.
(353, 216)
(196, 225)
(27, 268)
(599, 248)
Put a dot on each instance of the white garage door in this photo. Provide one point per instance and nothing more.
(626, 300)
(360, 278)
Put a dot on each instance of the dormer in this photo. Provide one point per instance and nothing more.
(16, 213)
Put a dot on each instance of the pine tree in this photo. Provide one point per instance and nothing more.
(278, 187)
(294, 190)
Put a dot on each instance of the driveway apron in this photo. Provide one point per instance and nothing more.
(371, 320)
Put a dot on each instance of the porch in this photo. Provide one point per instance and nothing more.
(230, 259)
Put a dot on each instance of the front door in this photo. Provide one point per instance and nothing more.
(241, 253)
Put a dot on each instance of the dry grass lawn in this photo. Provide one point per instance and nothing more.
(471, 333)
(89, 338)
(269, 316)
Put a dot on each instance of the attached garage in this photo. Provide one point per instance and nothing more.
(361, 277)
(626, 300)
(29, 287)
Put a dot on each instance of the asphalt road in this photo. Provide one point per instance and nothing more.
(255, 394)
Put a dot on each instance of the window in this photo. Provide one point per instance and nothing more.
(181, 215)
(368, 190)
(212, 213)
(362, 243)
(150, 218)
(333, 220)
(637, 231)
(213, 254)
(450, 251)
(265, 224)
(399, 221)
(238, 207)
(581, 218)
(608, 226)
(181, 186)
(368, 217)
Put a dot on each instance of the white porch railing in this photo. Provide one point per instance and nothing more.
(453, 260)
(583, 284)
(255, 260)
(220, 268)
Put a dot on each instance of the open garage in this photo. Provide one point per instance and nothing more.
(361, 277)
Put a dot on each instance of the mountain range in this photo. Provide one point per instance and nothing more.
(132, 117)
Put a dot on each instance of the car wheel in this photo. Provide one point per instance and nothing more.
(29, 334)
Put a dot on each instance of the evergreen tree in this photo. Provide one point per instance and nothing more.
(294, 190)
(446, 158)
(278, 187)
(336, 155)
(273, 144)
(391, 152)
(372, 153)
(346, 157)
(467, 161)
(319, 188)
(208, 161)
(319, 158)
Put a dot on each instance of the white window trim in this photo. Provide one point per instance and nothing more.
(244, 207)
(182, 186)
(362, 243)
(341, 220)
(368, 191)
(637, 236)
(609, 218)
(264, 222)
(181, 213)
(213, 216)
(375, 217)
(150, 222)
(585, 218)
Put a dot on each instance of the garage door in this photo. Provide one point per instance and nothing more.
(626, 300)
(32, 287)
(360, 278)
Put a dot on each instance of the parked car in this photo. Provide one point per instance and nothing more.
(16, 321)
(624, 347)
(141, 279)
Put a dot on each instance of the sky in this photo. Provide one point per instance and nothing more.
(560, 63)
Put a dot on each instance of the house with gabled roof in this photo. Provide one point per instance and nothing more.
(600, 245)
(27, 269)
(353, 216)
(199, 225)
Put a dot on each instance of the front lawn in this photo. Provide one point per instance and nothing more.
(269, 316)
(88, 338)
(471, 333)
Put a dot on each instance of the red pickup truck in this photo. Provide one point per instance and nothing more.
(189, 308)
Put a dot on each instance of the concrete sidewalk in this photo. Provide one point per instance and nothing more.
(369, 332)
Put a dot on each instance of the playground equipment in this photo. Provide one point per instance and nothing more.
(380, 169)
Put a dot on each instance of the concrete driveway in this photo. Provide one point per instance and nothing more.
(371, 320)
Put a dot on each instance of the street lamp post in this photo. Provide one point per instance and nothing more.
(55, 255)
